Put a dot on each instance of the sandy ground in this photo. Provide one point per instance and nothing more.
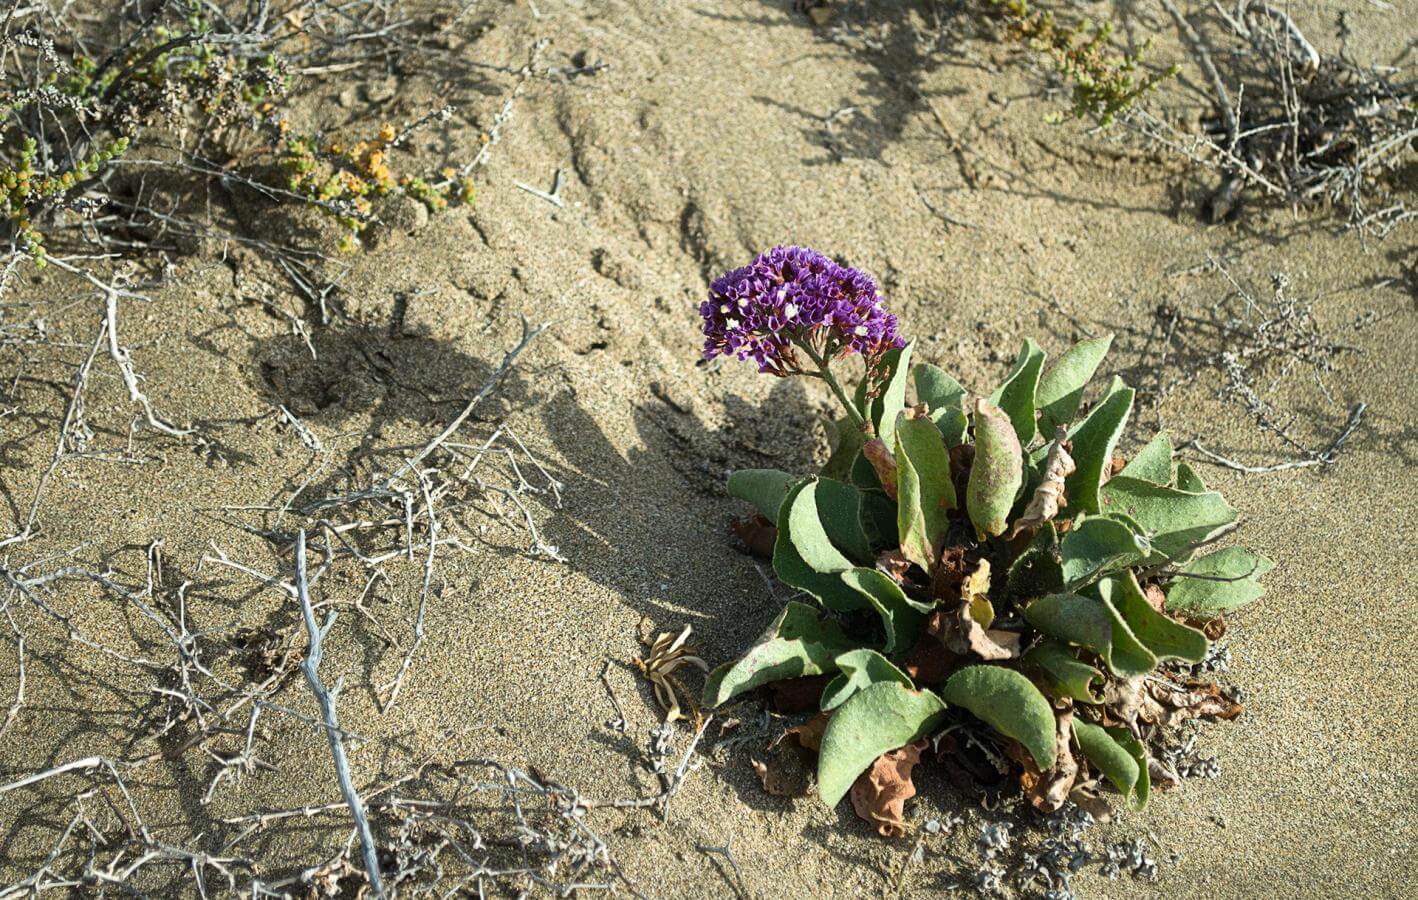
(711, 135)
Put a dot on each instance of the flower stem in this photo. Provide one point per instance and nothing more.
(825, 373)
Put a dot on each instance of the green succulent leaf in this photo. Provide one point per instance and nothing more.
(1061, 387)
(803, 555)
(1098, 544)
(1119, 756)
(901, 617)
(998, 470)
(1037, 571)
(1010, 703)
(1217, 583)
(845, 452)
(1175, 521)
(764, 488)
(839, 507)
(859, 669)
(799, 642)
(1064, 673)
(1016, 396)
(925, 492)
(875, 720)
(945, 399)
(1165, 638)
(888, 406)
(1093, 441)
(1152, 463)
(1188, 480)
(1092, 623)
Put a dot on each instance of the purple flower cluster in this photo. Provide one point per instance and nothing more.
(790, 296)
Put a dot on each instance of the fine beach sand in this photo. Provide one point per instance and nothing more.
(710, 136)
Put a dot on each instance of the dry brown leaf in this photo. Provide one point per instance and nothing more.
(757, 534)
(880, 793)
(1156, 597)
(882, 460)
(809, 734)
(950, 572)
(1048, 790)
(1163, 775)
(894, 565)
(965, 630)
(1049, 495)
(1194, 700)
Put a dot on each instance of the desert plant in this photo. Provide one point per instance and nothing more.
(993, 548)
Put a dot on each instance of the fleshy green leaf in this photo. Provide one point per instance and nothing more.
(1175, 521)
(1093, 441)
(945, 399)
(764, 488)
(799, 642)
(1065, 674)
(1098, 544)
(839, 507)
(803, 556)
(859, 670)
(1188, 480)
(877, 719)
(1119, 756)
(998, 470)
(1008, 702)
(1093, 624)
(1217, 583)
(901, 617)
(888, 406)
(1061, 387)
(845, 452)
(1165, 638)
(1017, 395)
(925, 492)
(1152, 463)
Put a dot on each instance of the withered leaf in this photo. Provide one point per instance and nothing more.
(964, 629)
(1163, 775)
(756, 533)
(892, 564)
(1194, 700)
(883, 462)
(950, 572)
(1047, 791)
(1156, 598)
(1049, 495)
(880, 793)
(929, 662)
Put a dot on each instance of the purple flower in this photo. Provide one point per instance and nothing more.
(794, 296)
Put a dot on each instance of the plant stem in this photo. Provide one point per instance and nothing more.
(825, 373)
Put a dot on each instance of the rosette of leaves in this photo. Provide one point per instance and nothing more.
(991, 563)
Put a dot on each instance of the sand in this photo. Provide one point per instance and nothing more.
(711, 135)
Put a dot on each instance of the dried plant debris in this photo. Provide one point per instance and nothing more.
(1023, 632)
(666, 654)
(1292, 124)
(1245, 346)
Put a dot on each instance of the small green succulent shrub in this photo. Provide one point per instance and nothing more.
(978, 565)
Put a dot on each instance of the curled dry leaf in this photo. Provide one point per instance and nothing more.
(1156, 598)
(882, 460)
(1049, 495)
(1172, 704)
(965, 629)
(669, 652)
(950, 571)
(1048, 790)
(880, 793)
(1163, 775)
(894, 565)
(757, 534)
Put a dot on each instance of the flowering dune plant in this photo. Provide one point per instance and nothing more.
(987, 571)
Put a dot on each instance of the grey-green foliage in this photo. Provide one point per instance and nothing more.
(1078, 584)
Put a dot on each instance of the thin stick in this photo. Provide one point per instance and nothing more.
(326, 699)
